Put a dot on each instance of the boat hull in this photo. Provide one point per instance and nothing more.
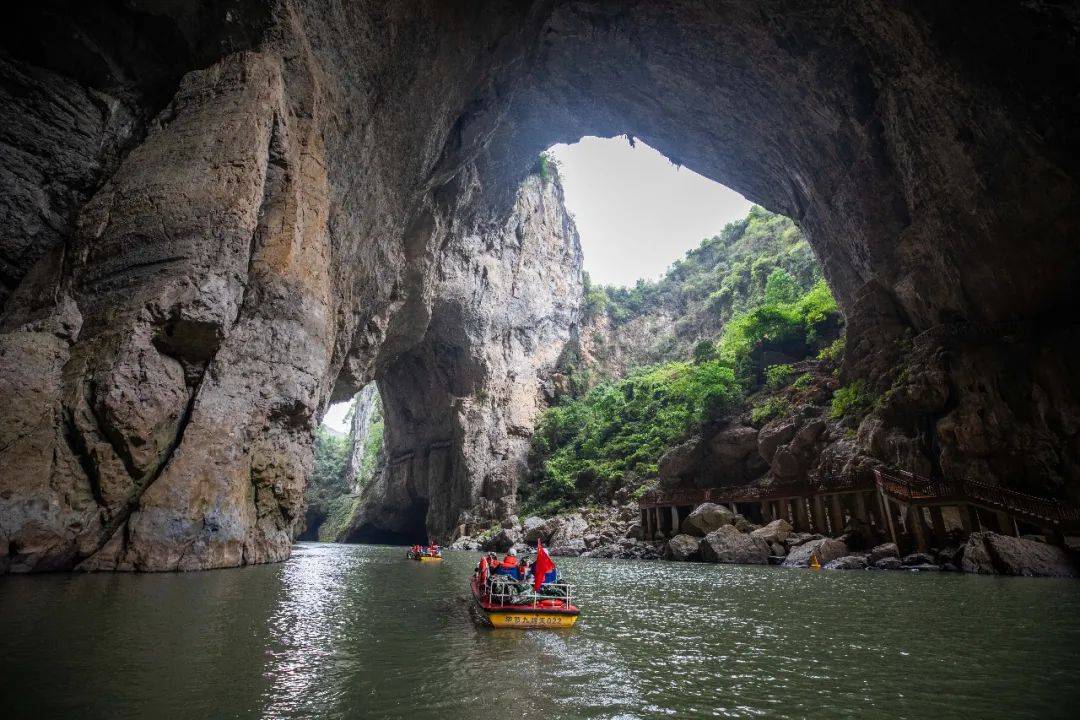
(529, 620)
(427, 559)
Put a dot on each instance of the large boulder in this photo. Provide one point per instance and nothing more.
(775, 532)
(572, 548)
(535, 528)
(682, 547)
(503, 540)
(773, 435)
(990, 553)
(734, 444)
(826, 549)
(681, 461)
(787, 464)
(848, 562)
(884, 550)
(707, 518)
(566, 528)
(888, 563)
(728, 545)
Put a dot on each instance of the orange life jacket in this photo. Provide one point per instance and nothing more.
(510, 561)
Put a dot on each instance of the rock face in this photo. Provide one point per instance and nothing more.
(460, 405)
(367, 408)
(260, 206)
(990, 553)
(775, 532)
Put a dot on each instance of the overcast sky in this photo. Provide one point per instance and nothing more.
(635, 211)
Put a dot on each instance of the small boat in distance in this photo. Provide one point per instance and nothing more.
(431, 553)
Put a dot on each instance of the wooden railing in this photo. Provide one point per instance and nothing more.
(753, 492)
(909, 487)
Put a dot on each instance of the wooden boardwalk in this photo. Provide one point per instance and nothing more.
(910, 509)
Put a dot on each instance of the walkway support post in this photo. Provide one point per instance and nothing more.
(836, 514)
(819, 515)
(918, 527)
(937, 522)
(888, 516)
(860, 507)
(674, 520)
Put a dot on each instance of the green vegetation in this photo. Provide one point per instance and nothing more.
(778, 376)
(853, 401)
(749, 301)
(330, 490)
(773, 407)
(328, 483)
(547, 167)
(586, 449)
(803, 381)
(793, 328)
(726, 274)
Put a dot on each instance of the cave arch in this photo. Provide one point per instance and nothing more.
(274, 238)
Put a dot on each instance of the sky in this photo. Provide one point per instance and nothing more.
(636, 212)
(335, 416)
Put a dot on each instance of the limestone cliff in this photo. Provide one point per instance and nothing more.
(460, 406)
(220, 217)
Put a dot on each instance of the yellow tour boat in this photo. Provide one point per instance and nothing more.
(536, 612)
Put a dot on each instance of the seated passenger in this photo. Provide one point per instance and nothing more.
(509, 565)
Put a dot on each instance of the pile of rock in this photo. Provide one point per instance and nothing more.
(712, 533)
(612, 532)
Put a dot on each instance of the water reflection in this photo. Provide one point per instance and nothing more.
(348, 632)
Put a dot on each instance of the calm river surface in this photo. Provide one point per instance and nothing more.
(357, 632)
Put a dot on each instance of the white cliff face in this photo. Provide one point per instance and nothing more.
(461, 406)
(367, 410)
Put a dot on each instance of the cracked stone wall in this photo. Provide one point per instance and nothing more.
(221, 217)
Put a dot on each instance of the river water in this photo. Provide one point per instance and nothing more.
(358, 632)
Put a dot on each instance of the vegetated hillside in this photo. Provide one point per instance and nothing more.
(658, 362)
(344, 465)
(725, 275)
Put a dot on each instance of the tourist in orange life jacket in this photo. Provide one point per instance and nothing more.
(509, 565)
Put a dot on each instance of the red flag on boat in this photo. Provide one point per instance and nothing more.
(542, 566)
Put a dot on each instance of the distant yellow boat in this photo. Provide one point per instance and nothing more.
(423, 557)
(815, 564)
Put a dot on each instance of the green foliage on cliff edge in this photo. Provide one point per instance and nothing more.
(726, 274)
(327, 481)
(585, 450)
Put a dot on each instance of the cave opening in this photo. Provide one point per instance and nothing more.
(392, 253)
